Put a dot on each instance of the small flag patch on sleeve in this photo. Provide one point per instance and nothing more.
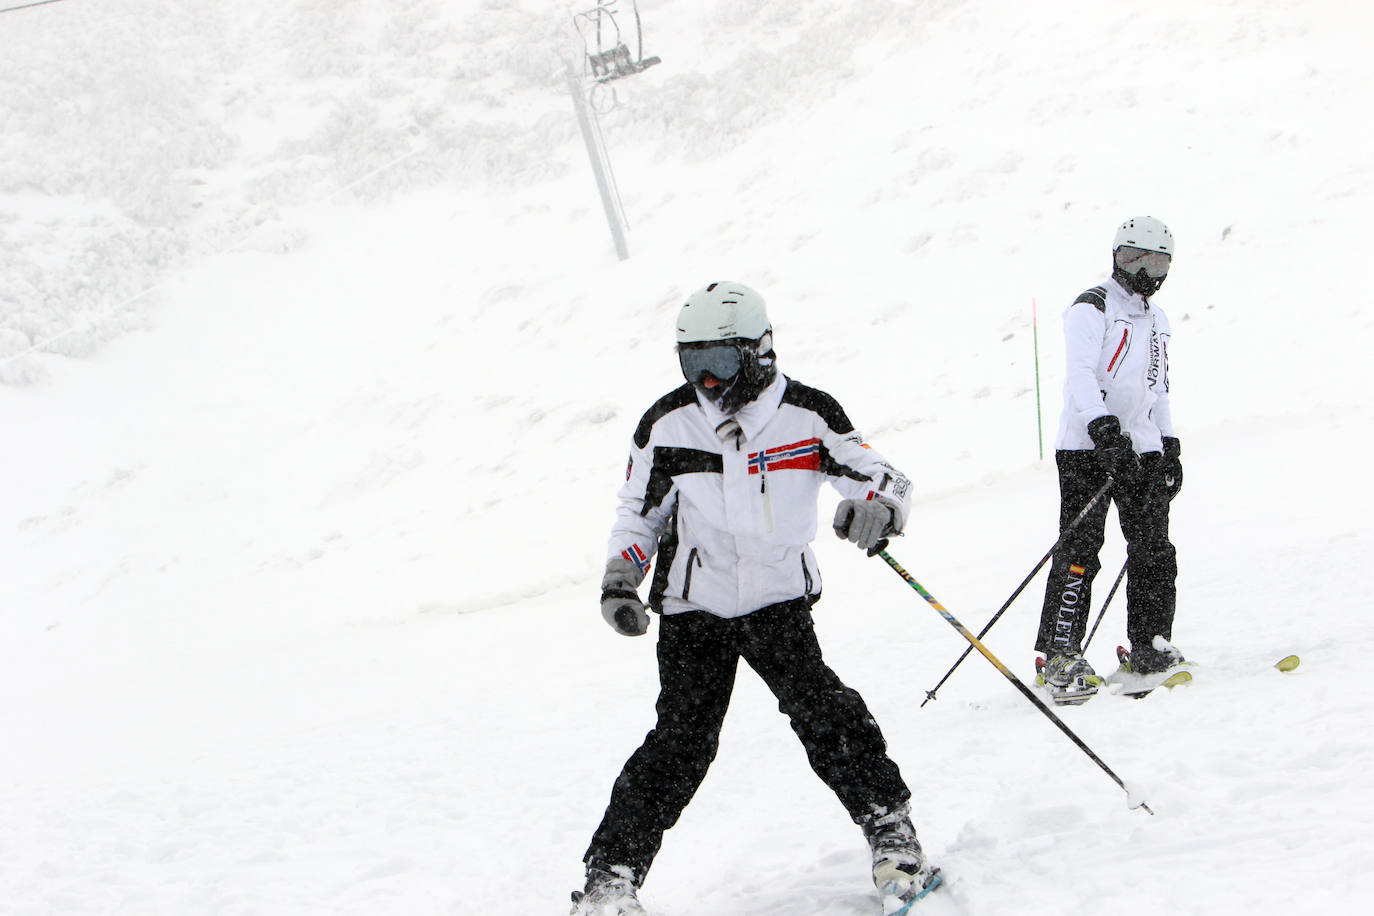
(637, 557)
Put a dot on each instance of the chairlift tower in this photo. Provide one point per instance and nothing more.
(607, 58)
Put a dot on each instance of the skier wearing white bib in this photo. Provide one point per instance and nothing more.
(1116, 421)
(721, 494)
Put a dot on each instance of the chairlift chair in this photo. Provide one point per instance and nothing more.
(608, 56)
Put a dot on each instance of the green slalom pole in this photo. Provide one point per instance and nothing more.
(880, 549)
(1035, 336)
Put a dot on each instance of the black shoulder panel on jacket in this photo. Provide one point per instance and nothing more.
(674, 400)
(1096, 297)
(819, 402)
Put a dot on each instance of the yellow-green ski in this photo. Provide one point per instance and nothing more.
(1177, 678)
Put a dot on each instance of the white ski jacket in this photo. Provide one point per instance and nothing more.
(1116, 345)
(731, 516)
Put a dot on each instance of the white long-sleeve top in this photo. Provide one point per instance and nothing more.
(732, 518)
(1116, 346)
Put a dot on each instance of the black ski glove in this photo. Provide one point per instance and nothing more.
(865, 521)
(1173, 467)
(620, 603)
(1114, 451)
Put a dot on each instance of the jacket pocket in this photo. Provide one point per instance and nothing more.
(692, 560)
(1120, 345)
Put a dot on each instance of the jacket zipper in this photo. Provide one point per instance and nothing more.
(763, 488)
(687, 580)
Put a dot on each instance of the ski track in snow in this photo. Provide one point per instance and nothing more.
(317, 371)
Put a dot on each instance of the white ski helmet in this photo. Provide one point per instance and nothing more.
(1144, 232)
(1141, 254)
(719, 311)
(725, 344)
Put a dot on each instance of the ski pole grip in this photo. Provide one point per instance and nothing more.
(878, 547)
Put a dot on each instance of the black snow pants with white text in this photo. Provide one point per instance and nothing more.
(1151, 565)
(698, 654)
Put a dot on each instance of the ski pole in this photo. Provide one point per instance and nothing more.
(930, 694)
(1100, 614)
(24, 6)
(880, 549)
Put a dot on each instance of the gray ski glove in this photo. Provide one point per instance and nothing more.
(620, 603)
(865, 521)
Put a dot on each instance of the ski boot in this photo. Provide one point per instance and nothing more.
(608, 893)
(900, 870)
(1068, 678)
(1157, 665)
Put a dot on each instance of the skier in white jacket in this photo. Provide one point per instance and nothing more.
(1116, 421)
(720, 496)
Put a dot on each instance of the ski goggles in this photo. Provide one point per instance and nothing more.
(721, 360)
(1131, 260)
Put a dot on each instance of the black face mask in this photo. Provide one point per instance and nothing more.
(1138, 282)
(730, 373)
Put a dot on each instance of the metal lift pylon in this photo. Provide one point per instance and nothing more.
(606, 57)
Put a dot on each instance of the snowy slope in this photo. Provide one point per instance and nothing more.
(319, 369)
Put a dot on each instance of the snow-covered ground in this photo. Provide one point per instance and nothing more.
(319, 370)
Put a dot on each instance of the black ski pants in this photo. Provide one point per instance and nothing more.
(1151, 565)
(698, 654)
